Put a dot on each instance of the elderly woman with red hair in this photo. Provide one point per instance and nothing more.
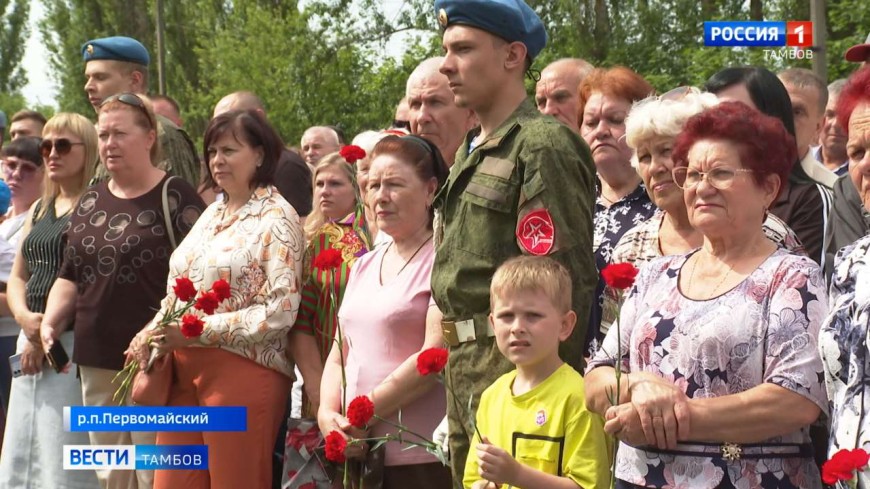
(606, 96)
(722, 376)
(843, 337)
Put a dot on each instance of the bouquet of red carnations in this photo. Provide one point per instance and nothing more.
(191, 323)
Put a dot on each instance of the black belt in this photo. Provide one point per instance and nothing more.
(733, 451)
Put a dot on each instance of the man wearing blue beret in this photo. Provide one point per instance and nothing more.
(522, 184)
(119, 64)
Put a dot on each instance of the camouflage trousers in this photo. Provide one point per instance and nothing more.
(471, 368)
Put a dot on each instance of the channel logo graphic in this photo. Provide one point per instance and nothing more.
(138, 457)
(758, 34)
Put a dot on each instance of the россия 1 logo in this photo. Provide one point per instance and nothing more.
(794, 38)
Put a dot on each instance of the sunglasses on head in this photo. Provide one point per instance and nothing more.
(60, 145)
(132, 100)
(678, 93)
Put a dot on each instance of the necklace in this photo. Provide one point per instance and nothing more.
(605, 198)
(407, 262)
(692, 277)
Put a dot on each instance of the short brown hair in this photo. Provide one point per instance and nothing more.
(128, 67)
(530, 274)
(251, 128)
(28, 114)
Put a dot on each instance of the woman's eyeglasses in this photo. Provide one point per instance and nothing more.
(720, 178)
(24, 169)
(61, 145)
(133, 100)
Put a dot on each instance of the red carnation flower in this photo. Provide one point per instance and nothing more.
(842, 466)
(207, 302)
(328, 259)
(184, 289)
(221, 288)
(360, 411)
(191, 326)
(335, 445)
(432, 361)
(352, 153)
(619, 275)
(859, 458)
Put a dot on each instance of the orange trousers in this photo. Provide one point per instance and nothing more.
(215, 377)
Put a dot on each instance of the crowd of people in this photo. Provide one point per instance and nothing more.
(478, 222)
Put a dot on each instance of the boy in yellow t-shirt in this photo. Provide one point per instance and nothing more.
(537, 432)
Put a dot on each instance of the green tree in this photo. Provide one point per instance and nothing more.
(320, 64)
(324, 62)
(13, 35)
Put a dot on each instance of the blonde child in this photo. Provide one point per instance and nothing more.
(537, 432)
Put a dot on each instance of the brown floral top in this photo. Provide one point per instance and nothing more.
(258, 250)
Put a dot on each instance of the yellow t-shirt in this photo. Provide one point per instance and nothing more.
(547, 428)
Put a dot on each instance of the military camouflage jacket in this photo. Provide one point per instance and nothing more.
(528, 188)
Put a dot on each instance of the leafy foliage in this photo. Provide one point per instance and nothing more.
(13, 34)
(326, 61)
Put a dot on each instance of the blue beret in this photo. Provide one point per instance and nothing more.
(511, 20)
(117, 48)
(5, 197)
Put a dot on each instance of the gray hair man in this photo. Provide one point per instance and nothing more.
(832, 139)
(557, 93)
(317, 142)
(809, 97)
(433, 114)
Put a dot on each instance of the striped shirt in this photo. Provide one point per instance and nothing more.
(43, 252)
(317, 316)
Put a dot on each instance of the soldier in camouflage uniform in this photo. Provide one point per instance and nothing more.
(118, 64)
(522, 184)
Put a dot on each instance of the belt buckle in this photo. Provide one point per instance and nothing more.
(448, 329)
(465, 330)
(731, 451)
(458, 332)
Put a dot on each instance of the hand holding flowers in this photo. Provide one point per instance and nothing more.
(619, 276)
(178, 328)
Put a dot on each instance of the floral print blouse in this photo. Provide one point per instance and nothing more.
(257, 249)
(316, 314)
(610, 223)
(762, 330)
(843, 342)
(641, 244)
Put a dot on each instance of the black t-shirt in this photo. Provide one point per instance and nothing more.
(293, 181)
(117, 252)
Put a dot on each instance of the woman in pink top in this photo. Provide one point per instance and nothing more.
(385, 315)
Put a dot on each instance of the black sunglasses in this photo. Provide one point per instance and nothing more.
(62, 145)
(131, 100)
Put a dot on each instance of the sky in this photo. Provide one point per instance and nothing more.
(41, 89)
